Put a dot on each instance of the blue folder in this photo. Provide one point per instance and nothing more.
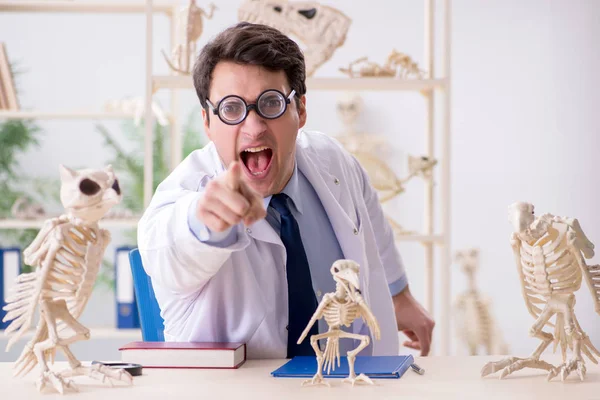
(377, 367)
(10, 268)
(127, 311)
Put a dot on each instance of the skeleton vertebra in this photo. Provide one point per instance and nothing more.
(190, 26)
(320, 28)
(476, 325)
(549, 252)
(67, 255)
(339, 309)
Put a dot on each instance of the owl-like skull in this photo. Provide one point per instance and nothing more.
(88, 194)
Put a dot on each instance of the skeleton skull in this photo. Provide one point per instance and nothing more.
(88, 194)
(345, 273)
(319, 28)
(349, 107)
(521, 216)
(468, 259)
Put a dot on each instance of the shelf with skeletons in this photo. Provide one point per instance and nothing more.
(29, 214)
(320, 29)
(125, 108)
(87, 7)
(550, 253)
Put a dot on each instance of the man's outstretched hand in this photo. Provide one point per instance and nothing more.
(414, 321)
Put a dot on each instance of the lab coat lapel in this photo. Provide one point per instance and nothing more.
(329, 188)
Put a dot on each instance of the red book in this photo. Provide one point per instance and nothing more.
(184, 354)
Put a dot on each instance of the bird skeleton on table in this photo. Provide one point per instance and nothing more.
(340, 308)
(549, 252)
(66, 256)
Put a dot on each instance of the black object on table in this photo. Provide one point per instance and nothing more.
(133, 369)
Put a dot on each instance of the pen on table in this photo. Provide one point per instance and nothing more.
(417, 369)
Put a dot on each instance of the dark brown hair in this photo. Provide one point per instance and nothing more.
(254, 44)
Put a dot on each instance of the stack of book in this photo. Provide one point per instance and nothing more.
(184, 354)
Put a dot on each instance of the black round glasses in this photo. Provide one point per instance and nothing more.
(270, 104)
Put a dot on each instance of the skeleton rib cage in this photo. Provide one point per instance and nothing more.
(554, 266)
(67, 258)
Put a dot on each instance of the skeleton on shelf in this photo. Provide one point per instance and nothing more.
(321, 29)
(25, 208)
(368, 150)
(66, 256)
(476, 325)
(136, 106)
(341, 308)
(189, 28)
(397, 65)
(549, 252)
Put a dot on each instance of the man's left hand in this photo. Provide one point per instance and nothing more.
(414, 321)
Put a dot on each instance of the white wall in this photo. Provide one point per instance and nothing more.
(523, 120)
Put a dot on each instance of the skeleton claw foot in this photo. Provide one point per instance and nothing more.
(316, 380)
(101, 373)
(512, 364)
(359, 378)
(57, 382)
(565, 369)
(495, 366)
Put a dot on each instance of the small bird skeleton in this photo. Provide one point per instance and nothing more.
(549, 252)
(66, 254)
(190, 26)
(339, 308)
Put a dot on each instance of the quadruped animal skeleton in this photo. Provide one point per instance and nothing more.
(475, 322)
(397, 65)
(66, 256)
(549, 252)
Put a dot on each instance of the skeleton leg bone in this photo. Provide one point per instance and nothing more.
(50, 314)
(512, 364)
(364, 342)
(314, 342)
(99, 372)
(572, 330)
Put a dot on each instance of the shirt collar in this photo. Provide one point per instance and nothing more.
(292, 189)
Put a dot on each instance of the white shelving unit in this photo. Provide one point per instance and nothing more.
(81, 7)
(430, 88)
(104, 339)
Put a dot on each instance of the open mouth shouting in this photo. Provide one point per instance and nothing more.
(257, 161)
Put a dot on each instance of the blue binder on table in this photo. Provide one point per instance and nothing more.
(10, 268)
(376, 367)
(127, 311)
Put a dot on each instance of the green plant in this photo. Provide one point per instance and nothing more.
(16, 138)
(129, 166)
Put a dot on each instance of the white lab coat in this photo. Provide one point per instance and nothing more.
(224, 294)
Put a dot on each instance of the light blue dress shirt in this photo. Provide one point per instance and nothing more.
(318, 237)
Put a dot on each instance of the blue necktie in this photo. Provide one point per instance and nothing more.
(302, 302)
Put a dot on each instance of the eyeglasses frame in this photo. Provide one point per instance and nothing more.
(249, 107)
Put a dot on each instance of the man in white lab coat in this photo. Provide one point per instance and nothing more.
(240, 238)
